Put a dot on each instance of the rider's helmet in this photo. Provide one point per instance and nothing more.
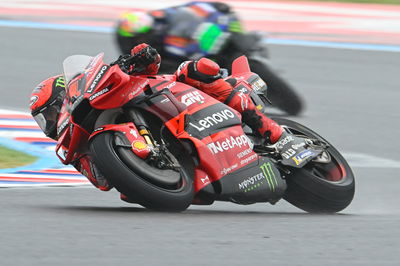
(136, 23)
(137, 27)
(45, 104)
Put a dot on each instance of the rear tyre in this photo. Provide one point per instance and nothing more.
(319, 187)
(153, 188)
(281, 94)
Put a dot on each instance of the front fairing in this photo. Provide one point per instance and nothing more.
(78, 71)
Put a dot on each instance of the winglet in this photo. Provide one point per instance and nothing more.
(240, 65)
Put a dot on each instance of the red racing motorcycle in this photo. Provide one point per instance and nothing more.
(166, 145)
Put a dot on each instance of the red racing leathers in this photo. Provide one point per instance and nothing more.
(204, 74)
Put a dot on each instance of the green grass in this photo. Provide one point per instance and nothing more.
(395, 2)
(10, 158)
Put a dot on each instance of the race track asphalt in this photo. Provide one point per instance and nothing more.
(352, 100)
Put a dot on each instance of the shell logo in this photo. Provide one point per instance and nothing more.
(139, 145)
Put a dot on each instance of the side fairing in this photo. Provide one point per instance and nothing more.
(216, 133)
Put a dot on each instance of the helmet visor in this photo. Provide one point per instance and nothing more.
(47, 118)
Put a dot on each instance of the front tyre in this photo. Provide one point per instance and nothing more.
(153, 188)
(319, 187)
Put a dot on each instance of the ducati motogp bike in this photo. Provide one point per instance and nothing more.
(166, 145)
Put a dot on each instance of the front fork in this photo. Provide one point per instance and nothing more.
(159, 155)
(141, 125)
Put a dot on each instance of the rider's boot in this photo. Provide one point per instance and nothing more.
(253, 117)
(241, 101)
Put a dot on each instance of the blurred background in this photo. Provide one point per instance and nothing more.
(342, 57)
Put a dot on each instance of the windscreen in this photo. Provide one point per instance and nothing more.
(75, 65)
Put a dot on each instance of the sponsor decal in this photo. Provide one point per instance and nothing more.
(96, 80)
(139, 145)
(138, 89)
(243, 90)
(34, 99)
(213, 119)
(62, 153)
(298, 145)
(299, 158)
(269, 175)
(248, 159)
(243, 101)
(228, 143)
(133, 133)
(244, 153)
(170, 85)
(288, 153)
(252, 182)
(60, 82)
(98, 129)
(181, 66)
(76, 102)
(192, 97)
(38, 88)
(284, 141)
(258, 85)
(99, 93)
(266, 175)
(62, 126)
(205, 180)
(229, 169)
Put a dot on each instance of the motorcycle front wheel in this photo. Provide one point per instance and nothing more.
(319, 187)
(141, 182)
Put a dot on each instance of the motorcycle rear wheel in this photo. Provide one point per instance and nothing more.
(139, 181)
(319, 187)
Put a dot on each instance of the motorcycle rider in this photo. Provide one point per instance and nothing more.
(205, 75)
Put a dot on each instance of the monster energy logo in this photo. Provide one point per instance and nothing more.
(59, 82)
(235, 26)
(269, 175)
(254, 182)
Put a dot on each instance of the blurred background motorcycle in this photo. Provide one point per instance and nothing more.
(205, 29)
